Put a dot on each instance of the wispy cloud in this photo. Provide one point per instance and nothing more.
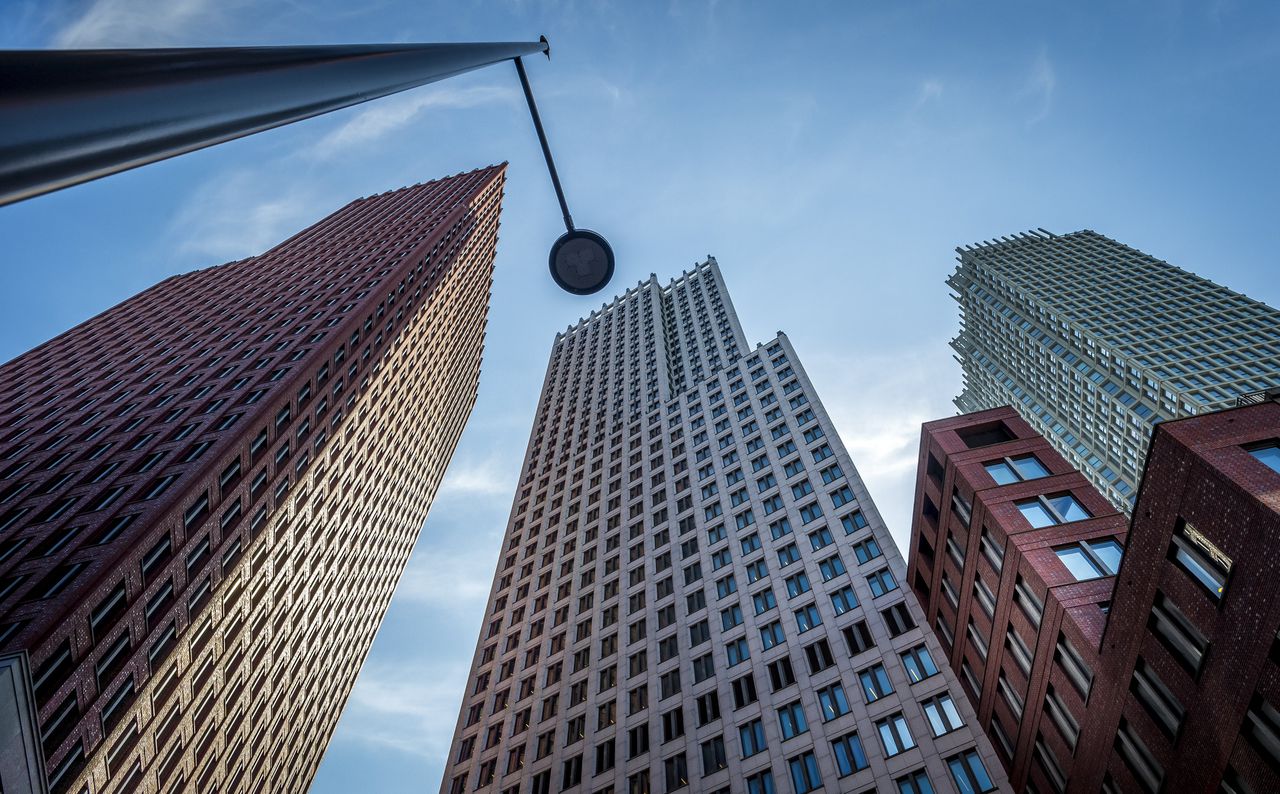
(879, 418)
(240, 214)
(141, 23)
(1039, 87)
(406, 707)
(929, 90)
(449, 581)
(491, 476)
(384, 117)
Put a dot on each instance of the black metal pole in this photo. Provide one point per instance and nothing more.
(542, 139)
(67, 117)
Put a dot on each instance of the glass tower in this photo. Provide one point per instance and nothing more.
(1094, 342)
(695, 591)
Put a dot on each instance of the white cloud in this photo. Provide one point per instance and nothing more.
(929, 89)
(406, 707)
(242, 213)
(451, 582)
(1041, 82)
(878, 403)
(141, 23)
(492, 476)
(385, 116)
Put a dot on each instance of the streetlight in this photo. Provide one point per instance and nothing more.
(71, 116)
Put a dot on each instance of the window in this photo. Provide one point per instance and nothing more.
(969, 774)
(713, 756)
(898, 619)
(895, 736)
(1159, 702)
(1207, 565)
(1135, 753)
(763, 601)
(853, 522)
(942, 715)
(994, 552)
(1269, 455)
(676, 771)
(819, 655)
(882, 582)
(791, 719)
(1062, 717)
(781, 674)
(831, 567)
(744, 691)
(761, 783)
(808, 618)
(1025, 467)
(1091, 559)
(752, 737)
(918, 663)
(875, 683)
(833, 702)
(804, 773)
(1028, 602)
(1046, 511)
(916, 782)
(797, 584)
(867, 550)
(1262, 729)
(858, 637)
(1069, 659)
(850, 757)
(737, 651)
(844, 600)
(771, 635)
(1178, 633)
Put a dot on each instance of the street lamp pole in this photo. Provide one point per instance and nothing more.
(71, 116)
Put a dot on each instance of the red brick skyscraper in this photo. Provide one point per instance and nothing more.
(208, 492)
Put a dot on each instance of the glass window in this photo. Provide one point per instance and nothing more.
(918, 664)
(1067, 507)
(875, 683)
(895, 735)
(791, 719)
(850, 757)
(1036, 514)
(1269, 455)
(1091, 559)
(804, 773)
(943, 715)
(1201, 558)
(752, 737)
(969, 774)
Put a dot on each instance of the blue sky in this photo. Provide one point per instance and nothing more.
(830, 155)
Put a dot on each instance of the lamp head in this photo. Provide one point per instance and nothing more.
(581, 262)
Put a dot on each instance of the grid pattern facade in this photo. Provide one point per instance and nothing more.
(1139, 660)
(210, 491)
(1094, 342)
(695, 591)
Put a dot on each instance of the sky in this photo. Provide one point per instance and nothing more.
(831, 156)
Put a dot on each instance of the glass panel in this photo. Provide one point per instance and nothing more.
(935, 719)
(1001, 473)
(1030, 468)
(1036, 515)
(1068, 507)
(1212, 580)
(949, 708)
(1268, 455)
(1078, 563)
(1109, 552)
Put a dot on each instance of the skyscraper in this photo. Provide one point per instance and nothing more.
(1102, 657)
(1094, 342)
(695, 591)
(209, 491)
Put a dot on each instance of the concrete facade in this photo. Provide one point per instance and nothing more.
(1094, 342)
(691, 570)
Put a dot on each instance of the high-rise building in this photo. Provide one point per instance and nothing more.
(1094, 342)
(695, 591)
(208, 492)
(1103, 657)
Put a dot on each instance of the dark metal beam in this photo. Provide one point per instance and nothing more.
(67, 117)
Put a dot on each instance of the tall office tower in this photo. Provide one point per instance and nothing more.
(695, 592)
(1094, 342)
(210, 490)
(1103, 658)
